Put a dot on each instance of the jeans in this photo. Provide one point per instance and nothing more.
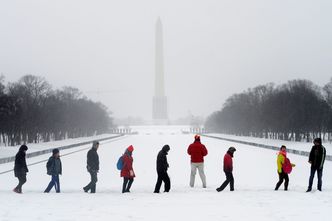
(229, 180)
(127, 182)
(282, 176)
(200, 167)
(163, 177)
(54, 182)
(312, 175)
(92, 185)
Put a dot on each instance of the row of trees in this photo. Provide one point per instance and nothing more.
(297, 110)
(31, 111)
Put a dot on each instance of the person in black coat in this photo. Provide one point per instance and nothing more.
(162, 167)
(54, 169)
(21, 168)
(92, 167)
(316, 159)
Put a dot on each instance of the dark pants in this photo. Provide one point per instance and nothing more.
(54, 182)
(22, 179)
(163, 177)
(312, 175)
(127, 182)
(92, 185)
(229, 180)
(282, 176)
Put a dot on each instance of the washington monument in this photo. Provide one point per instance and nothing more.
(159, 112)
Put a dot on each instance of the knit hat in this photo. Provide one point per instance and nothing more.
(197, 137)
(55, 151)
(130, 148)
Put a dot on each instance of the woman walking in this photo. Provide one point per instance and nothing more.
(127, 171)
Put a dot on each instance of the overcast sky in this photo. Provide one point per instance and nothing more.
(213, 48)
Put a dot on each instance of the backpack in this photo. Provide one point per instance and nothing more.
(287, 166)
(119, 164)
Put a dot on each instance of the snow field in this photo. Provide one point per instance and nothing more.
(254, 197)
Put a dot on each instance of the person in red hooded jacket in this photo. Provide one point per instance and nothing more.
(127, 171)
(228, 169)
(197, 152)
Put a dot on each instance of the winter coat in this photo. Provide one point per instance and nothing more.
(20, 167)
(280, 161)
(162, 164)
(197, 151)
(228, 162)
(317, 156)
(54, 166)
(127, 166)
(92, 160)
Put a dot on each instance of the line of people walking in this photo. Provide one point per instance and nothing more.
(197, 152)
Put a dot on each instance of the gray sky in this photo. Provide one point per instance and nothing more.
(213, 48)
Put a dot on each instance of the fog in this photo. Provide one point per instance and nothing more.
(212, 48)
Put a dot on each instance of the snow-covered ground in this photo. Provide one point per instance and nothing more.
(305, 146)
(254, 197)
(9, 151)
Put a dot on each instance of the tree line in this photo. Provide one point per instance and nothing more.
(298, 110)
(31, 112)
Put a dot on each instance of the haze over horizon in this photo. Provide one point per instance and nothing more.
(212, 48)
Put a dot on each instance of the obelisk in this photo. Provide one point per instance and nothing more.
(159, 112)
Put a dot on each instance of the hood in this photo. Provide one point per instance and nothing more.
(94, 144)
(23, 148)
(166, 148)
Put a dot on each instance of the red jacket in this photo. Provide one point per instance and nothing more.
(228, 163)
(127, 166)
(197, 151)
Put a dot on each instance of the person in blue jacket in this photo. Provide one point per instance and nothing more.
(54, 169)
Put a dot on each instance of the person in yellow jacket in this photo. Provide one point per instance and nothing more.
(284, 168)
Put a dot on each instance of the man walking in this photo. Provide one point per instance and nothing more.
(228, 169)
(162, 167)
(92, 167)
(197, 152)
(21, 168)
(316, 159)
